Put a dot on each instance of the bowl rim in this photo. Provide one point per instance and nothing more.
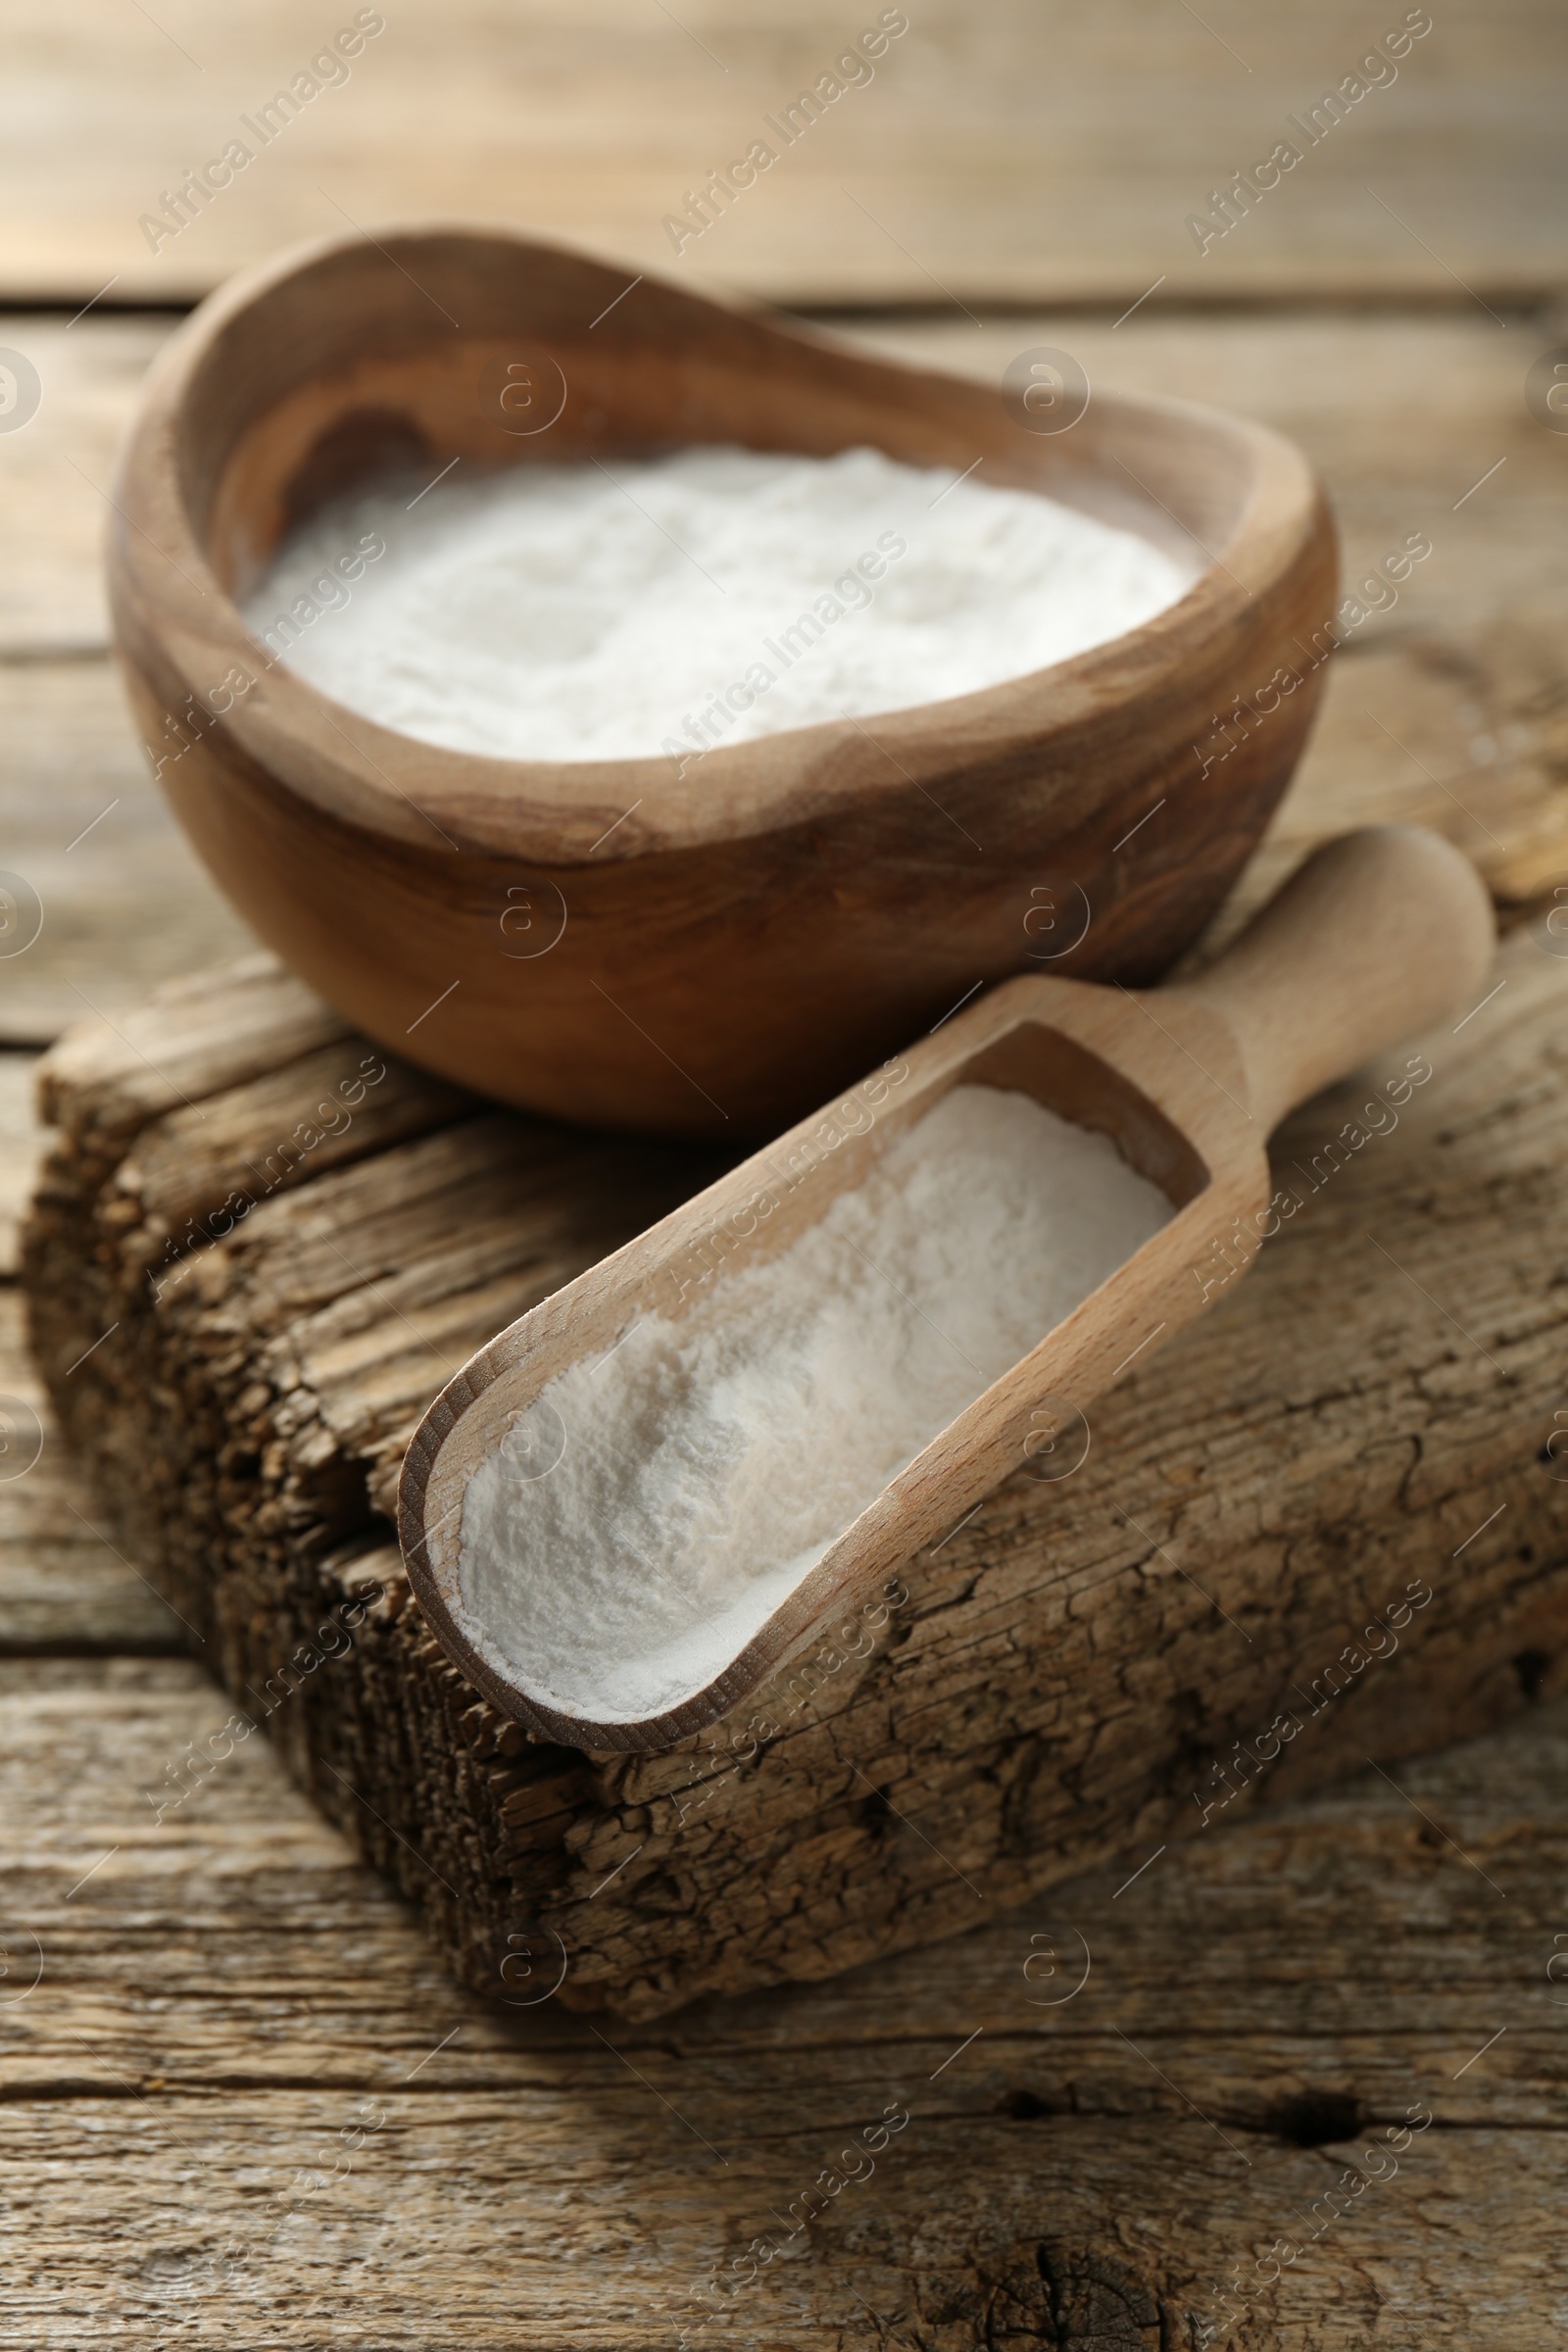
(174, 617)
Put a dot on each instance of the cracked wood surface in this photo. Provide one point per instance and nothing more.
(246, 2104)
(1347, 1455)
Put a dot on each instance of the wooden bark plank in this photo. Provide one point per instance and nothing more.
(188, 1042)
(223, 1989)
(1000, 155)
(328, 1109)
(1070, 1671)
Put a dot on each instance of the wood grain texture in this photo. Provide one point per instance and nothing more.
(63, 1586)
(58, 467)
(246, 2104)
(124, 902)
(997, 153)
(1071, 1669)
(223, 1991)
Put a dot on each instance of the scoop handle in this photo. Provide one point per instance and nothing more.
(1377, 936)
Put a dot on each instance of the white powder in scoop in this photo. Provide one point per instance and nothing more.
(593, 613)
(684, 1482)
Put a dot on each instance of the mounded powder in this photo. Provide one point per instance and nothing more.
(640, 1521)
(587, 611)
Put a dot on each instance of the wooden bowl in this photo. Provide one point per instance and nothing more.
(609, 940)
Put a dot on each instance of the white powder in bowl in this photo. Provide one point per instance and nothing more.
(687, 1480)
(596, 612)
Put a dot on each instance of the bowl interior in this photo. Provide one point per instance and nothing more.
(481, 346)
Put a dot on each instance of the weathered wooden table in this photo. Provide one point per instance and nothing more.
(1294, 2079)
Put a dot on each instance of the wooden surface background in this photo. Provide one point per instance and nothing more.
(1005, 151)
(246, 2104)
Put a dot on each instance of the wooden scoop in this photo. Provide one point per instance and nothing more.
(1378, 935)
